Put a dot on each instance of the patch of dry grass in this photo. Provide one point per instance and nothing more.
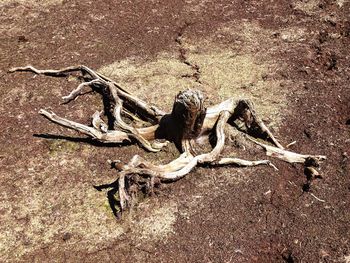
(307, 6)
(225, 72)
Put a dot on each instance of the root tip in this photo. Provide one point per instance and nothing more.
(65, 100)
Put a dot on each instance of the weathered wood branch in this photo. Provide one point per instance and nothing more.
(147, 111)
(288, 156)
(186, 126)
(106, 137)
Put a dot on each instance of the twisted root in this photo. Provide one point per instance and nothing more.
(186, 125)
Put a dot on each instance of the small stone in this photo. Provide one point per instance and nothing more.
(22, 39)
(67, 236)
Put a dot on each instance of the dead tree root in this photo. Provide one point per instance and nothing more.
(186, 125)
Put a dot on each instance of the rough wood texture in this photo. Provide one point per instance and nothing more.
(186, 125)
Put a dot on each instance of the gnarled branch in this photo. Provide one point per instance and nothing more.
(186, 125)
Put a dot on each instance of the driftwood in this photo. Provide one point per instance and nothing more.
(186, 126)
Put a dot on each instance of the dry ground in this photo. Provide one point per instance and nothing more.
(290, 57)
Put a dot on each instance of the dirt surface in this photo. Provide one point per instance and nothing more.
(291, 57)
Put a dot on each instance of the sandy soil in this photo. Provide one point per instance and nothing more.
(290, 57)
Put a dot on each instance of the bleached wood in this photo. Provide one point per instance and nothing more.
(287, 156)
(189, 122)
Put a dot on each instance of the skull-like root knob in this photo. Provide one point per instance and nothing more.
(189, 113)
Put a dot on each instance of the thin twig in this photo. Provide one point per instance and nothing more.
(318, 199)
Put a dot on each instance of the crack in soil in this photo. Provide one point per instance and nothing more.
(183, 55)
